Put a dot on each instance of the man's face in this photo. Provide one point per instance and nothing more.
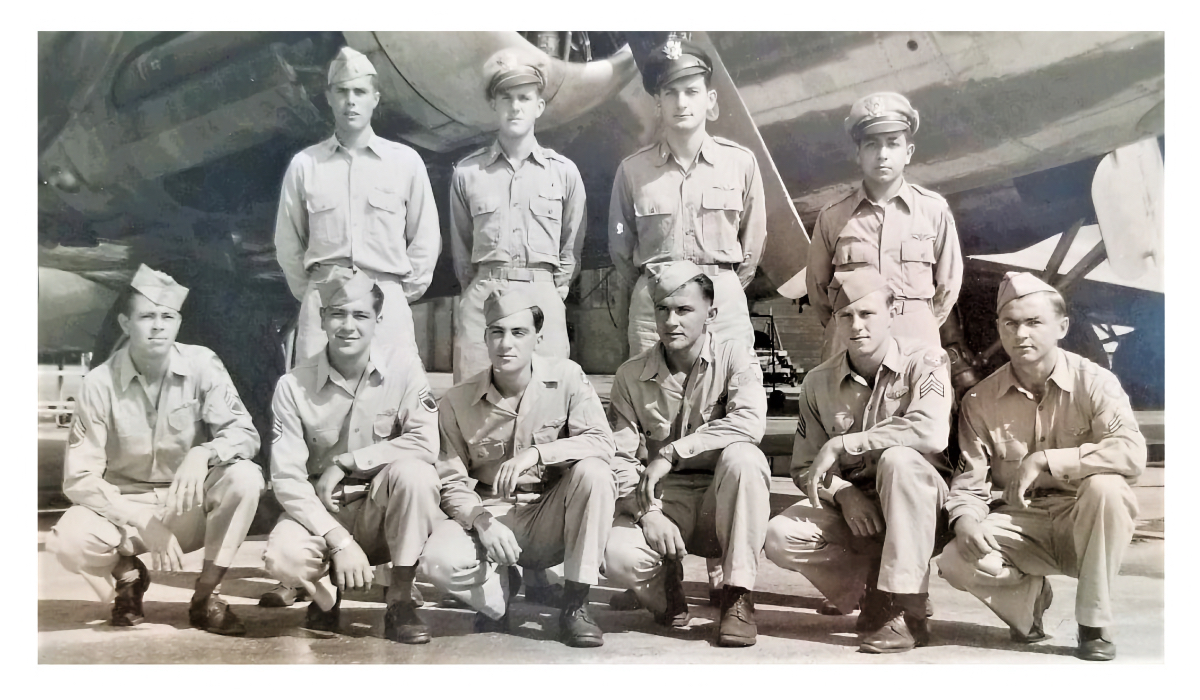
(685, 102)
(682, 317)
(151, 327)
(1030, 328)
(511, 341)
(866, 324)
(353, 102)
(882, 157)
(517, 109)
(350, 327)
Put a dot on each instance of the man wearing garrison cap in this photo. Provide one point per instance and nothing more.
(517, 214)
(352, 463)
(531, 430)
(902, 230)
(870, 439)
(158, 461)
(688, 196)
(697, 408)
(1058, 429)
(357, 200)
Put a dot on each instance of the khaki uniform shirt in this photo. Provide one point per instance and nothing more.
(907, 406)
(319, 414)
(559, 415)
(714, 213)
(534, 215)
(1083, 423)
(910, 239)
(374, 210)
(123, 443)
(721, 402)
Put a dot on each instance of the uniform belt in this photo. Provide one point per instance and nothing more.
(535, 272)
(908, 306)
(716, 268)
(489, 491)
(319, 267)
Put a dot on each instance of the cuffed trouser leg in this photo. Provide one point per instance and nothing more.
(818, 544)
(470, 349)
(911, 494)
(395, 330)
(732, 321)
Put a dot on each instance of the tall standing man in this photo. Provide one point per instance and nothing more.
(158, 462)
(530, 430)
(904, 231)
(1059, 429)
(357, 200)
(517, 217)
(697, 407)
(689, 196)
(352, 463)
(875, 418)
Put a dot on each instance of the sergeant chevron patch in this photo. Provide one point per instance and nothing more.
(233, 402)
(1114, 424)
(78, 432)
(427, 401)
(933, 384)
(276, 430)
(801, 427)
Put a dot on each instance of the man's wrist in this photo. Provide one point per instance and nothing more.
(338, 539)
(481, 521)
(668, 453)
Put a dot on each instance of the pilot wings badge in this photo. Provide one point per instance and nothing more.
(673, 49)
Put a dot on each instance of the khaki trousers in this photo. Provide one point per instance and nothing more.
(89, 544)
(1083, 536)
(723, 514)
(395, 330)
(914, 321)
(392, 523)
(732, 321)
(820, 545)
(470, 350)
(568, 525)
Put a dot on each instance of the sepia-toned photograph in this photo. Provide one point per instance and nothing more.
(567, 347)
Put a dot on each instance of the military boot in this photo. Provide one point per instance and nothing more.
(676, 615)
(402, 624)
(905, 630)
(575, 626)
(737, 628)
(212, 614)
(323, 623)
(132, 580)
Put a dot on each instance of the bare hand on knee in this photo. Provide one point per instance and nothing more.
(861, 514)
(974, 539)
(165, 552)
(662, 535)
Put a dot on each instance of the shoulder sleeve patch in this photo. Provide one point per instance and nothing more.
(276, 430)
(935, 358)
(426, 398)
(78, 432)
(233, 401)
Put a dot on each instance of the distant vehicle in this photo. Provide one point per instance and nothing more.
(60, 377)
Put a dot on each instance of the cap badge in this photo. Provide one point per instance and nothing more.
(874, 108)
(673, 49)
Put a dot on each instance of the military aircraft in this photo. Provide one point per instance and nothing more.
(169, 149)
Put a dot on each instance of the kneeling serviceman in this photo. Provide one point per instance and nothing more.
(1059, 428)
(527, 425)
(875, 418)
(157, 461)
(698, 408)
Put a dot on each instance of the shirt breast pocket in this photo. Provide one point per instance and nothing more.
(654, 220)
(387, 214)
(184, 416)
(547, 215)
(1010, 453)
(549, 432)
(322, 441)
(917, 259)
(486, 223)
(323, 219)
(385, 424)
(485, 451)
(721, 211)
(849, 253)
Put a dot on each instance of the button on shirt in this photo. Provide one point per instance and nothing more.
(534, 214)
(373, 208)
(1083, 423)
(712, 213)
(908, 406)
(121, 442)
(319, 414)
(559, 414)
(910, 239)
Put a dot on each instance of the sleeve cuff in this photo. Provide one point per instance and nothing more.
(1064, 463)
(855, 443)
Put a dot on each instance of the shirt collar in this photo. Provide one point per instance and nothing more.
(125, 371)
(893, 360)
(487, 388)
(905, 194)
(326, 371)
(331, 145)
(656, 363)
(708, 151)
(538, 153)
(1063, 375)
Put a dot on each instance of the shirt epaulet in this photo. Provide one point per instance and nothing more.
(839, 200)
(640, 151)
(732, 144)
(927, 192)
(472, 154)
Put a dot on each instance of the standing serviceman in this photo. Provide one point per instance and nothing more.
(357, 200)
(904, 231)
(158, 461)
(1057, 428)
(517, 216)
(875, 418)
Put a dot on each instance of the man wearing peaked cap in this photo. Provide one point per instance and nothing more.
(352, 463)
(696, 406)
(158, 461)
(687, 196)
(902, 230)
(869, 452)
(357, 200)
(1058, 429)
(531, 425)
(517, 215)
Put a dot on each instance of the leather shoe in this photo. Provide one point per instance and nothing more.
(827, 608)
(1093, 646)
(484, 624)
(677, 613)
(212, 614)
(281, 596)
(576, 628)
(130, 586)
(323, 623)
(625, 600)
(1036, 632)
(402, 624)
(901, 633)
(737, 627)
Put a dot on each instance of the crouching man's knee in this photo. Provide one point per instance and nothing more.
(243, 481)
(81, 537)
(293, 555)
(954, 566)
(744, 459)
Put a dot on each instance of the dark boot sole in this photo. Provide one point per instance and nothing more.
(413, 639)
(731, 641)
(584, 642)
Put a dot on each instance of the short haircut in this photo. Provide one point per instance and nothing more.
(538, 318)
(908, 136)
(706, 287)
(124, 302)
(377, 299)
(1059, 304)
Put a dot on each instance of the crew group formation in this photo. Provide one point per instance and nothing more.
(518, 469)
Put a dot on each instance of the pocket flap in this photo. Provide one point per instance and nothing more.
(551, 208)
(852, 253)
(729, 200)
(649, 207)
(387, 201)
(484, 206)
(917, 250)
(1011, 450)
(384, 423)
(319, 205)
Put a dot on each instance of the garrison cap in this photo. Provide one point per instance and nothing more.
(879, 113)
(677, 58)
(501, 303)
(673, 275)
(1018, 284)
(342, 286)
(159, 287)
(857, 284)
(506, 69)
(348, 65)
